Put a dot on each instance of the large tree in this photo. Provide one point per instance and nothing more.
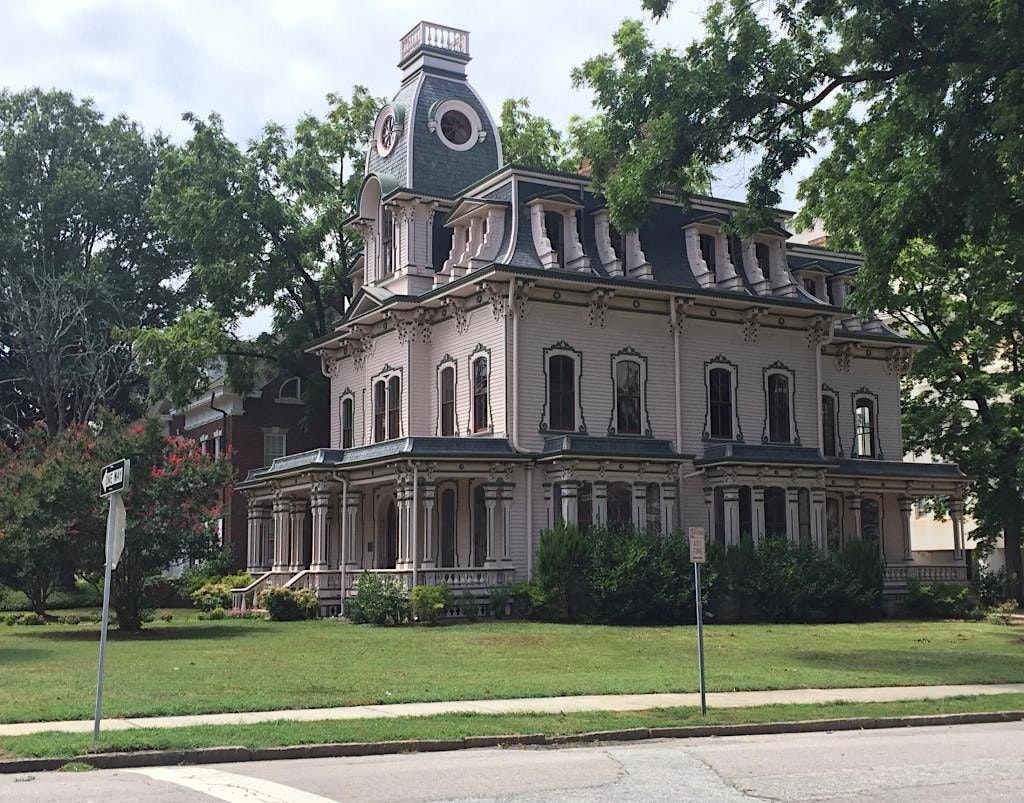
(264, 224)
(81, 260)
(916, 113)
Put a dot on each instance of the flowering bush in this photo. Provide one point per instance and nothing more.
(429, 602)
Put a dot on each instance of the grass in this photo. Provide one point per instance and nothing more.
(187, 667)
(455, 726)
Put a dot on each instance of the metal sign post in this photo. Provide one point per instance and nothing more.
(698, 554)
(113, 483)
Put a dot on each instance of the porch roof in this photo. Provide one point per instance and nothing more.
(898, 469)
(724, 453)
(425, 447)
(591, 446)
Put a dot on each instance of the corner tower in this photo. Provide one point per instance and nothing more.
(436, 136)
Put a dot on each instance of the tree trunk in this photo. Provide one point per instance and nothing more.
(1011, 547)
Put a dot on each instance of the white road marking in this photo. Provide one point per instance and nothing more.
(229, 786)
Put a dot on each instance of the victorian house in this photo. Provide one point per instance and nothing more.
(510, 360)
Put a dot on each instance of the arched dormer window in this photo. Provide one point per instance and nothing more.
(290, 390)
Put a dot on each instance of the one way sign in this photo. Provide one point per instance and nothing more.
(114, 478)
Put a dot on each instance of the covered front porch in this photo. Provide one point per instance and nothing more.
(318, 523)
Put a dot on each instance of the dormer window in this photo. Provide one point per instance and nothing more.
(709, 256)
(553, 227)
(761, 253)
(811, 286)
(290, 390)
(554, 223)
(707, 251)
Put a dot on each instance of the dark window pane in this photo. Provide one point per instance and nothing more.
(870, 521)
(379, 411)
(394, 407)
(707, 251)
(746, 512)
(585, 505)
(346, 423)
(763, 262)
(480, 398)
(864, 421)
(448, 525)
(627, 397)
(562, 393)
(778, 408)
(448, 401)
(479, 526)
(553, 225)
(828, 425)
(775, 512)
(720, 402)
(620, 504)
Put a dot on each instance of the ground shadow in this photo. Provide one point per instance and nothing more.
(944, 668)
(25, 655)
(190, 633)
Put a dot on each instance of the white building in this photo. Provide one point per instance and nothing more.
(510, 359)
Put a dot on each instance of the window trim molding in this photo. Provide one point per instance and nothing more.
(447, 361)
(480, 352)
(451, 104)
(779, 367)
(720, 361)
(828, 390)
(630, 354)
(562, 349)
(860, 394)
(385, 374)
(346, 394)
(290, 399)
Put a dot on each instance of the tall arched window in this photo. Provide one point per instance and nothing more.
(447, 400)
(585, 505)
(804, 513)
(627, 398)
(479, 526)
(620, 504)
(394, 407)
(347, 422)
(380, 411)
(833, 527)
(775, 512)
(864, 427)
(720, 402)
(870, 521)
(447, 535)
(829, 444)
(746, 512)
(778, 408)
(481, 400)
(562, 393)
(653, 507)
(387, 241)
(389, 554)
(718, 514)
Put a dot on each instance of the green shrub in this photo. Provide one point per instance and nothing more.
(69, 619)
(562, 559)
(28, 619)
(285, 605)
(429, 602)
(1002, 613)
(379, 600)
(468, 606)
(991, 588)
(500, 601)
(940, 601)
(212, 595)
(166, 617)
(217, 614)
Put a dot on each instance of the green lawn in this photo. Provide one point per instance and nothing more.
(457, 726)
(49, 672)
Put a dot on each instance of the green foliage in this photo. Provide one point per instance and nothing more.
(940, 601)
(166, 617)
(27, 618)
(217, 614)
(500, 601)
(212, 595)
(379, 600)
(285, 605)
(562, 558)
(429, 602)
(264, 225)
(81, 259)
(532, 141)
(1002, 614)
(69, 619)
(991, 588)
(915, 109)
(468, 606)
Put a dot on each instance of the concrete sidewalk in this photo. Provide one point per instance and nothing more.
(530, 705)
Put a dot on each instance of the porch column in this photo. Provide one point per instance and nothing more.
(490, 504)
(505, 498)
(640, 505)
(600, 502)
(403, 503)
(906, 503)
(757, 500)
(282, 524)
(252, 560)
(352, 538)
(320, 506)
(668, 507)
(818, 525)
(793, 514)
(429, 491)
(298, 558)
(570, 508)
(956, 513)
(731, 499)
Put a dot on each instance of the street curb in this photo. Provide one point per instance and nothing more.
(217, 755)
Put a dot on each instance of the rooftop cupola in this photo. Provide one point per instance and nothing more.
(436, 137)
(433, 46)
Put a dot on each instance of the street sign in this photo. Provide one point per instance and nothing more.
(698, 551)
(114, 478)
(698, 555)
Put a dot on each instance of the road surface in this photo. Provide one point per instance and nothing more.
(963, 762)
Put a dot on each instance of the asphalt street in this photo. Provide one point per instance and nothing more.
(963, 762)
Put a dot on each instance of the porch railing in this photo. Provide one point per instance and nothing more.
(925, 573)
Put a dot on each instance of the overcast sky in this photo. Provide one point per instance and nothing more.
(259, 60)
